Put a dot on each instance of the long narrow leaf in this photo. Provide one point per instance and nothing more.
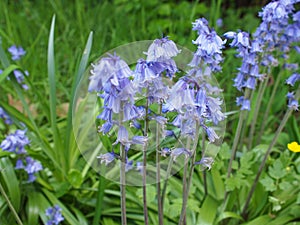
(52, 93)
(80, 71)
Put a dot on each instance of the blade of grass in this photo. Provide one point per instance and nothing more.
(52, 97)
(80, 71)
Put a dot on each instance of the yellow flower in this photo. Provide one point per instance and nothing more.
(294, 147)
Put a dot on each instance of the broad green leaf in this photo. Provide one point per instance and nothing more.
(208, 211)
(218, 184)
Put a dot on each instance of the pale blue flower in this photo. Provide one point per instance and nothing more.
(54, 214)
(16, 52)
(107, 158)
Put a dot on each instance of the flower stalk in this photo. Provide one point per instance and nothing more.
(189, 178)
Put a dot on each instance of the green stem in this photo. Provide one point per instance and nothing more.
(189, 181)
(281, 126)
(236, 141)
(158, 188)
(10, 205)
(204, 171)
(261, 91)
(122, 177)
(146, 127)
(123, 184)
(266, 114)
(166, 182)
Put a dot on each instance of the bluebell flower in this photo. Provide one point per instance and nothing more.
(54, 214)
(165, 152)
(293, 104)
(219, 22)
(168, 133)
(20, 78)
(180, 151)
(19, 164)
(5, 116)
(243, 102)
(139, 167)
(15, 142)
(108, 68)
(205, 162)
(140, 140)
(16, 52)
(161, 50)
(123, 137)
(32, 167)
(134, 123)
(212, 135)
(105, 128)
(128, 165)
(107, 158)
(293, 79)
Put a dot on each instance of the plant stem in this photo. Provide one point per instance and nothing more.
(122, 176)
(266, 114)
(281, 126)
(261, 91)
(236, 141)
(159, 199)
(10, 205)
(166, 182)
(123, 184)
(204, 171)
(146, 126)
(187, 189)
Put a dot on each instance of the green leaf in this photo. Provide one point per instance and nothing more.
(52, 101)
(277, 171)
(3, 58)
(8, 71)
(78, 75)
(11, 182)
(268, 183)
(226, 215)
(75, 178)
(208, 211)
(259, 220)
(175, 208)
(298, 198)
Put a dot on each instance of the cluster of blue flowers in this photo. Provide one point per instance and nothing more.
(54, 214)
(16, 54)
(16, 143)
(5, 117)
(273, 39)
(192, 98)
